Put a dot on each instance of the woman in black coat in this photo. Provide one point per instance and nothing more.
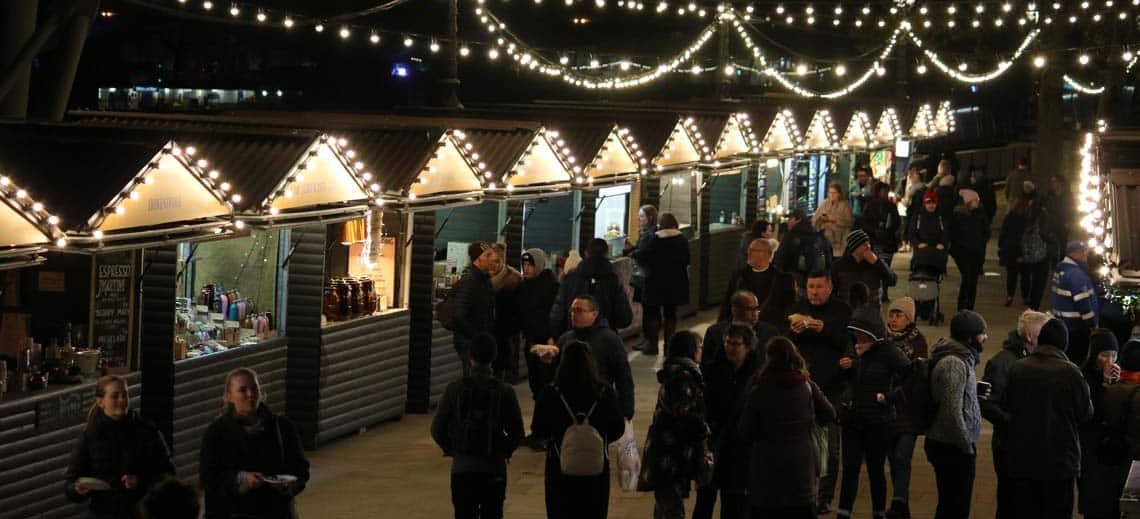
(1024, 216)
(778, 417)
(969, 232)
(666, 258)
(577, 381)
(116, 458)
(251, 463)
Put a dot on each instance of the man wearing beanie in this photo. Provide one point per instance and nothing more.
(533, 301)
(860, 264)
(953, 435)
(474, 303)
(1020, 343)
(1074, 300)
(1047, 400)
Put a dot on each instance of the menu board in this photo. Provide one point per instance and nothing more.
(113, 288)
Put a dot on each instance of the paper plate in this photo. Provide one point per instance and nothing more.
(94, 483)
(281, 479)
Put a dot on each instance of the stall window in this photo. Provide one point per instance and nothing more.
(611, 217)
(726, 201)
(455, 229)
(676, 197)
(548, 224)
(360, 268)
(229, 293)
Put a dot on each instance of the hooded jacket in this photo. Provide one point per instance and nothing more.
(997, 374)
(594, 276)
(913, 345)
(533, 302)
(665, 258)
(1047, 400)
(609, 354)
(110, 449)
(1074, 298)
(880, 369)
(954, 388)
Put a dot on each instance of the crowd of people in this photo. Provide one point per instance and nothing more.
(811, 371)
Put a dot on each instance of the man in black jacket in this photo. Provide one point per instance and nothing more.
(860, 264)
(607, 348)
(474, 302)
(818, 326)
(533, 301)
(744, 310)
(802, 249)
(594, 277)
(1018, 345)
(478, 474)
(756, 277)
(1047, 399)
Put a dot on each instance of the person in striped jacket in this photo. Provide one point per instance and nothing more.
(1074, 300)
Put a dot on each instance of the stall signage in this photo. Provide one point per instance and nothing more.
(62, 410)
(326, 181)
(111, 309)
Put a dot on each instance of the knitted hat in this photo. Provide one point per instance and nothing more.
(904, 305)
(854, 240)
(475, 250)
(535, 257)
(930, 196)
(1130, 356)
(1055, 334)
(572, 261)
(968, 195)
(866, 320)
(1101, 341)
(1074, 246)
(967, 324)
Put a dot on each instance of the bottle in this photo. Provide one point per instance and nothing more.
(722, 216)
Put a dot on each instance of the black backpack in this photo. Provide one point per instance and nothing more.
(476, 428)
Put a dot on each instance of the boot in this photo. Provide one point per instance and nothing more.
(899, 510)
(649, 330)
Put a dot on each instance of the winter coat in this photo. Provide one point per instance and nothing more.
(712, 348)
(880, 369)
(678, 432)
(986, 194)
(666, 261)
(948, 199)
(954, 390)
(792, 247)
(838, 224)
(969, 233)
(594, 276)
(474, 306)
(726, 393)
(551, 418)
(777, 421)
(644, 234)
(747, 278)
(110, 449)
(913, 345)
(510, 423)
(1013, 228)
(929, 228)
(997, 374)
(609, 354)
(1047, 399)
(1111, 407)
(533, 302)
(881, 221)
(228, 449)
(1074, 299)
(504, 287)
(876, 276)
(822, 350)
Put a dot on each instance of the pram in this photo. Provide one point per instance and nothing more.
(927, 269)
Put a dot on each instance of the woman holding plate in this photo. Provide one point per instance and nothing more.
(252, 463)
(117, 457)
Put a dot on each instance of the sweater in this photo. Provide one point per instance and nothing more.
(759, 282)
(954, 388)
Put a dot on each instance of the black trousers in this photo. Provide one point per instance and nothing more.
(1043, 499)
(1034, 276)
(870, 443)
(656, 319)
(1006, 505)
(971, 270)
(478, 495)
(786, 512)
(1078, 341)
(732, 505)
(538, 373)
(954, 478)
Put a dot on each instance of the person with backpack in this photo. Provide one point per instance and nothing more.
(1074, 300)
(1019, 344)
(929, 236)
(802, 250)
(1034, 250)
(677, 442)
(903, 333)
(728, 381)
(951, 413)
(470, 308)
(860, 265)
(579, 416)
(594, 277)
(777, 425)
(818, 327)
(834, 218)
(479, 425)
(607, 348)
(1010, 255)
(1118, 443)
(1102, 440)
(665, 257)
(1047, 399)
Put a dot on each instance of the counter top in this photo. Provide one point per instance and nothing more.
(268, 343)
(391, 312)
(52, 391)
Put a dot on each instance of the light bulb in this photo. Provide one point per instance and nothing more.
(1083, 59)
(345, 33)
(801, 69)
(235, 11)
(408, 41)
(922, 68)
(464, 51)
(320, 27)
(374, 38)
(963, 66)
(840, 70)
(1039, 61)
(493, 53)
(1128, 55)
(261, 18)
(624, 65)
(729, 69)
(696, 70)
(288, 22)
(207, 5)
(434, 47)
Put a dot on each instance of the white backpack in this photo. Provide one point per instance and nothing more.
(583, 451)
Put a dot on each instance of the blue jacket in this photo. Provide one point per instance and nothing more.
(1074, 297)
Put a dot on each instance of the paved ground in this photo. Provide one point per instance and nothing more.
(396, 470)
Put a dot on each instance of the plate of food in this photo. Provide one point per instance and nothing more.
(93, 483)
(543, 350)
(280, 479)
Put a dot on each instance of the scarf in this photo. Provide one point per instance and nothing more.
(904, 339)
(1132, 377)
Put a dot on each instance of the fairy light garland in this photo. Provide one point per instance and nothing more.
(562, 153)
(32, 210)
(1081, 87)
(859, 129)
(821, 133)
(1002, 67)
(345, 155)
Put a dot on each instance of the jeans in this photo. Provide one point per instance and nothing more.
(1043, 499)
(954, 477)
(478, 495)
(870, 443)
(902, 451)
(732, 505)
(834, 449)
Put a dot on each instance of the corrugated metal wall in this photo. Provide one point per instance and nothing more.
(588, 219)
(421, 313)
(721, 263)
(549, 223)
(751, 194)
(306, 271)
(467, 224)
(33, 459)
(156, 351)
(445, 365)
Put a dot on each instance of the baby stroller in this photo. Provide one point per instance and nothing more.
(927, 268)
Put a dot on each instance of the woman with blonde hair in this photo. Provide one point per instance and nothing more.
(834, 219)
(117, 457)
(251, 463)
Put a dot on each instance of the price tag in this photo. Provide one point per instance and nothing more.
(231, 324)
(217, 317)
(202, 309)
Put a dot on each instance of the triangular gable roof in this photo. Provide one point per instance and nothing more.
(821, 133)
(618, 158)
(888, 128)
(923, 125)
(397, 158)
(704, 131)
(737, 138)
(860, 133)
(682, 148)
(782, 134)
(451, 170)
(330, 172)
(944, 118)
(543, 166)
(24, 221)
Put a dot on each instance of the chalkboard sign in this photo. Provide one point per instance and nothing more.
(64, 409)
(113, 292)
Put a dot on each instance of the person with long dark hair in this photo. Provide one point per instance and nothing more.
(666, 260)
(251, 464)
(781, 410)
(647, 217)
(117, 457)
(577, 390)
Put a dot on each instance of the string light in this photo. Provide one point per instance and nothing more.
(976, 78)
(1082, 88)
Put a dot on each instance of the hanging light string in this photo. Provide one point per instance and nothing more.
(960, 74)
(1081, 87)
